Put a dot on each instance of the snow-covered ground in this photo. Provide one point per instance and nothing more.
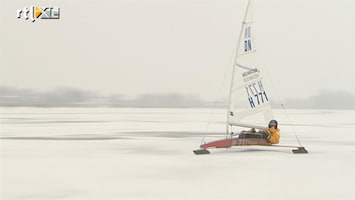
(146, 153)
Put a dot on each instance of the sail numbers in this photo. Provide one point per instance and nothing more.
(256, 94)
(247, 39)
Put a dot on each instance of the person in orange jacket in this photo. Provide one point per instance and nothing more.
(272, 133)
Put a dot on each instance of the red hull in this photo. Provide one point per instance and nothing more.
(225, 143)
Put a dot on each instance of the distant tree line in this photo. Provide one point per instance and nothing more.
(70, 97)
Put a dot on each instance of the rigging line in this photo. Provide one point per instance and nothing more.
(278, 97)
(216, 98)
(215, 103)
(218, 94)
(293, 129)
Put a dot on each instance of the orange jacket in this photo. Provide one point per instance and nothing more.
(274, 135)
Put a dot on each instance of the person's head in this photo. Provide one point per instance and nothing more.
(273, 123)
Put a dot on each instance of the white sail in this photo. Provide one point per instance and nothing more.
(249, 102)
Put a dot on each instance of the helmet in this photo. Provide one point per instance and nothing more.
(273, 123)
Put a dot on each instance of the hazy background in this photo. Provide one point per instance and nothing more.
(174, 53)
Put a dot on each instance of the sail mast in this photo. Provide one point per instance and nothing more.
(235, 64)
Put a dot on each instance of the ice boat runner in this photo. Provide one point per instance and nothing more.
(249, 103)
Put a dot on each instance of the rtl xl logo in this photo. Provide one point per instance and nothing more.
(34, 13)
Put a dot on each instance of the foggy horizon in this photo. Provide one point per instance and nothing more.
(73, 97)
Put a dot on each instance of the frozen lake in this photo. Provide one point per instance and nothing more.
(146, 153)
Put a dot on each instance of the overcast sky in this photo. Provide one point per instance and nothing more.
(174, 46)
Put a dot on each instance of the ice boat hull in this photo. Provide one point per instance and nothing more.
(229, 142)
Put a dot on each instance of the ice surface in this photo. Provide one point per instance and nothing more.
(135, 153)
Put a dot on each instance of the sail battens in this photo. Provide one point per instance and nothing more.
(246, 125)
(247, 52)
(245, 67)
